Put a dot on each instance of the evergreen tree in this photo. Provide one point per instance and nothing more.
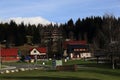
(21, 35)
(70, 26)
(36, 36)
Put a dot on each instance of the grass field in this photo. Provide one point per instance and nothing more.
(93, 71)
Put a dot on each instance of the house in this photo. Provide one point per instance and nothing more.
(9, 54)
(52, 34)
(56, 34)
(77, 49)
(38, 53)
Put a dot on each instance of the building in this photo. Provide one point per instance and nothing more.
(77, 49)
(9, 54)
(38, 53)
(51, 34)
(56, 34)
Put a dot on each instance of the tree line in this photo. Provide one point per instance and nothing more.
(96, 30)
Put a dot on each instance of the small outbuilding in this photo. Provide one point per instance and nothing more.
(9, 54)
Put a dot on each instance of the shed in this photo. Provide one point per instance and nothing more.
(9, 54)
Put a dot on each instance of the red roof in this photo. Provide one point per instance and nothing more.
(9, 52)
(83, 42)
(40, 49)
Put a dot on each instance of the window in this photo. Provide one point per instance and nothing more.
(35, 51)
(77, 49)
(83, 49)
(87, 54)
(80, 49)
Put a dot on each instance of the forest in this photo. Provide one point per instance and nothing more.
(96, 30)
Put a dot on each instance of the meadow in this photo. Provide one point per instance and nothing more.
(87, 70)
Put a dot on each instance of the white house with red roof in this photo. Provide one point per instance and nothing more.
(39, 53)
(76, 49)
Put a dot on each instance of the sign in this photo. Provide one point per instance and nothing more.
(53, 64)
(58, 62)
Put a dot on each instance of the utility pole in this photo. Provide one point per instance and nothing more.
(1, 53)
(0, 56)
(113, 61)
(36, 59)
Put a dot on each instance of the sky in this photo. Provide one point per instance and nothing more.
(58, 11)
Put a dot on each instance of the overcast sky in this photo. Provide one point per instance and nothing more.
(58, 10)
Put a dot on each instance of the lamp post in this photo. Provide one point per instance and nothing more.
(1, 54)
(36, 59)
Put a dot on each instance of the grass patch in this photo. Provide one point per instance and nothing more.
(87, 64)
(81, 74)
(91, 71)
(25, 63)
(69, 62)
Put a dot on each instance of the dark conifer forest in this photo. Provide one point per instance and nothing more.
(95, 30)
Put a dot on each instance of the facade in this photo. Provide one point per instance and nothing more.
(77, 49)
(38, 53)
(9, 54)
(51, 34)
(56, 34)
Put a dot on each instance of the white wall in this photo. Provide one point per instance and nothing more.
(34, 52)
(85, 55)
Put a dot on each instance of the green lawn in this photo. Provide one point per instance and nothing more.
(82, 74)
(93, 71)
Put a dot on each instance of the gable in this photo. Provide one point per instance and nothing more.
(34, 52)
(38, 51)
